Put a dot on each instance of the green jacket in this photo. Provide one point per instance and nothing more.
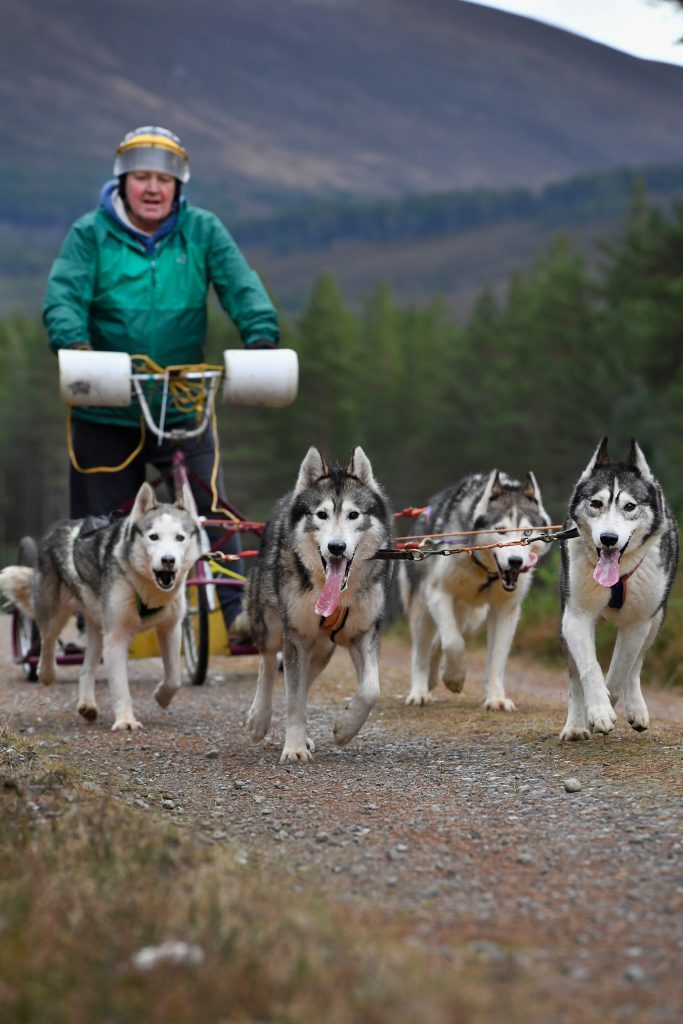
(106, 290)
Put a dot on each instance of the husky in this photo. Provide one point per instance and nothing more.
(124, 577)
(447, 598)
(620, 567)
(315, 586)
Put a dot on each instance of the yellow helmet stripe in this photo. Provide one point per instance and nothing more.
(152, 140)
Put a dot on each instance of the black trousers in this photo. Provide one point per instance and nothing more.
(92, 494)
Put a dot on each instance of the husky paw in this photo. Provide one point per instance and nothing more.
(47, 676)
(454, 683)
(88, 711)
(574, 732)
(130, 723)
(419, 699)
(349, 723)
(498, 704)
(258, 722)
(163, 694)
(637, 716)
(304, 756)
(601, 718)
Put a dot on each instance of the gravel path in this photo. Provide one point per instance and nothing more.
(453, 820)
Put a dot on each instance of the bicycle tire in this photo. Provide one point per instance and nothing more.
(195, 630)
(25, 635)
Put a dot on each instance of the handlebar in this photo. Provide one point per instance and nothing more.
(249, 377)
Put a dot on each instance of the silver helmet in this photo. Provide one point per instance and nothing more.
(152, 149)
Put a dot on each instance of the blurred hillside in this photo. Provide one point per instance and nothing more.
(293, 106)
(284, 99)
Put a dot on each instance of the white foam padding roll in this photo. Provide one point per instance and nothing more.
(94, 378)
(268, 376)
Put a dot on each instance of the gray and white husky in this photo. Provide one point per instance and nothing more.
(124, 578)
(315, 585)
(620, 567)
(447, 597)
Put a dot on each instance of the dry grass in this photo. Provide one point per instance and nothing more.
(87, 882)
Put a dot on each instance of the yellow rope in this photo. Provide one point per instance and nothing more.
(101, 469)
(220, 570)
(214, 472)
(186, 396)
(189, 396)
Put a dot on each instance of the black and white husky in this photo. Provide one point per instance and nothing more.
(315, 586)
(447, 597)
(620, 567)
(124, 578)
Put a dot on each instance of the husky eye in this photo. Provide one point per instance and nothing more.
(354, 515)
(630, 506)
(596, 503)
(180, 537)
(321, 514)
(154, 536)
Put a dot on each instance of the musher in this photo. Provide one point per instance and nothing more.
(133, 276)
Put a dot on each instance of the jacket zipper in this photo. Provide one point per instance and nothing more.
(152, 305)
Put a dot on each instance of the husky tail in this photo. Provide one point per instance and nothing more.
(16, 584)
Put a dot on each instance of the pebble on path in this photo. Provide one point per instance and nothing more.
(572, 785)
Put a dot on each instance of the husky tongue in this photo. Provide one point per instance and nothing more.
(606, 572)
(328, 601)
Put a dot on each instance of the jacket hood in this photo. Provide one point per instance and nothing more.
(108, 193)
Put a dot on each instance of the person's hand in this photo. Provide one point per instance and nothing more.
(82, 345)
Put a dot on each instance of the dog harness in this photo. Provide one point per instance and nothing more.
(492, 576)
(335, 622)
(618, 589)
(143, 609)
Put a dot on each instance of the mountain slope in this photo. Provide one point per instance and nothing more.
(283, 99)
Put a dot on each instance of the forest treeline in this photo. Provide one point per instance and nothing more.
(586, 199)
(532, 381)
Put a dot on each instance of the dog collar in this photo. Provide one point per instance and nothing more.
(618, 589)
(335, 622)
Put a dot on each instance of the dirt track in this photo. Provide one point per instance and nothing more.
(448, 820)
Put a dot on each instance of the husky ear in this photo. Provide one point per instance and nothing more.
(312, 468)
(359, 466)
(637, 461)
(531, 490)
(496, 487)
(493, 489)
(186, 501)
(600, 458)
(145, 501)
(602, 455)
